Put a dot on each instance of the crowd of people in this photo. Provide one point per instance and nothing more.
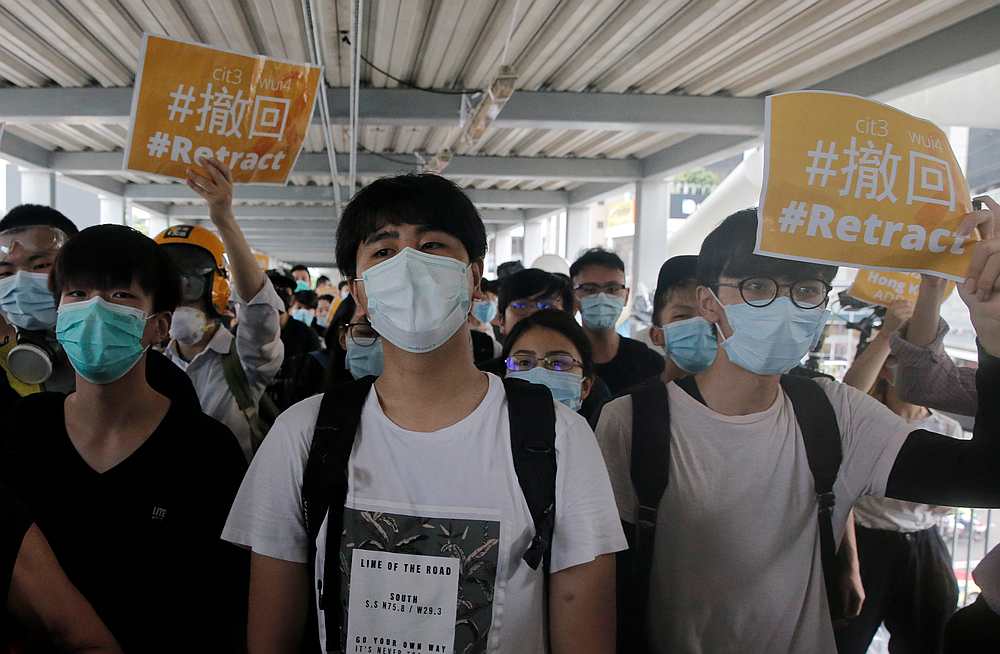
(200, 455)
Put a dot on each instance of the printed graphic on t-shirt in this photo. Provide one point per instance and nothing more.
(417, 584)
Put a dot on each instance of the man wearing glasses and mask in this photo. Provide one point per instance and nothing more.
(761, 468)
(601, 295)
(30, 238)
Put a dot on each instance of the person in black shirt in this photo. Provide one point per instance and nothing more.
(601, 294)
(131, 488)
(300, 340)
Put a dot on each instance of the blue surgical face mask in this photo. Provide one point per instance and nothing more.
(691, 344)
(417, 301)
(484, 312)
(102, 340)
(772, 340)
(601, 311)
(302, 285)
(323, 321)
(564, 386)
(365, 360)
(26, 302)
(304, 316)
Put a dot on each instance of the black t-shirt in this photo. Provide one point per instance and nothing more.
(142, 540)
(14, 523)
(633, 363)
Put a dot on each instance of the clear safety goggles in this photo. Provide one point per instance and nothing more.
(28, 247)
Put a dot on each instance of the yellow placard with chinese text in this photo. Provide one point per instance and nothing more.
(883, 287)
(849, 181)
(191, 101)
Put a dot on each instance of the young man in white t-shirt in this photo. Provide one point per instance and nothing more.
(435, 522)
(736, 564)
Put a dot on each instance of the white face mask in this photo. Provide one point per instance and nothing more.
(417, 301)
(188, 325)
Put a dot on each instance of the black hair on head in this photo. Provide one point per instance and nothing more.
(426, 200)
(283, 285)
(597, 257)
(325, 297)
(300, 268)
(343, 284)
(104, 257)
(558, 321)
(728, 252)
(322, 279)
(37, 215)
(533, 282)
(308, 299)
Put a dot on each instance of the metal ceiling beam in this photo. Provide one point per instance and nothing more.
(488, 199)
(308, 217)
(16, 150)
(589, 193)
(409, 107)
(965, 47)
(97, 184)
(372, 165)
(259, 214)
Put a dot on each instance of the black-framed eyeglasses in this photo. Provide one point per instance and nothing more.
(360, 333)
(556, 361)
(613, 288)
(761, 291)
(529, 305)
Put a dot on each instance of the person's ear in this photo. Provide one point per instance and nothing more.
(656, 335)
(477, 267)
(585, 387)
(359, 295)
(711, 309)
(157, 329)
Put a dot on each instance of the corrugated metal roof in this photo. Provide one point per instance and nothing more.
(737, 47)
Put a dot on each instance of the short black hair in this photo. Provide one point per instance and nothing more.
(37, 215)
(676, 272)
(322, 279)
(308, 299)
(597, 257)
(325, 297)
(532, 282)
(300, 268)
(283, 285)
(728, 252)
(342, 284)
(427, 200)
(113, 256)
(559, 321)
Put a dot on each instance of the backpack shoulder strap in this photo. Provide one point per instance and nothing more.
(236, 379)
(322, 358)
(324, 486)
(818, 423)
(533, 447)
(650, 471)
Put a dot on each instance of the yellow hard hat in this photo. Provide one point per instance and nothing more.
(181, 239)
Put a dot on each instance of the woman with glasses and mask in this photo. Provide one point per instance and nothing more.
(549, 348)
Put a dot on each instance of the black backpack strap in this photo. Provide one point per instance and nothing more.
(533, 447)
(818, 423)
(650, 470)
(324, 486)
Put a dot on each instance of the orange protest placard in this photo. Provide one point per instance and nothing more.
(192, 101)
(884, 288)
(849, 181)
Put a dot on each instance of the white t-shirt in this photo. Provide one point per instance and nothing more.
(896, 515)
(415, 501)
(737, 566)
